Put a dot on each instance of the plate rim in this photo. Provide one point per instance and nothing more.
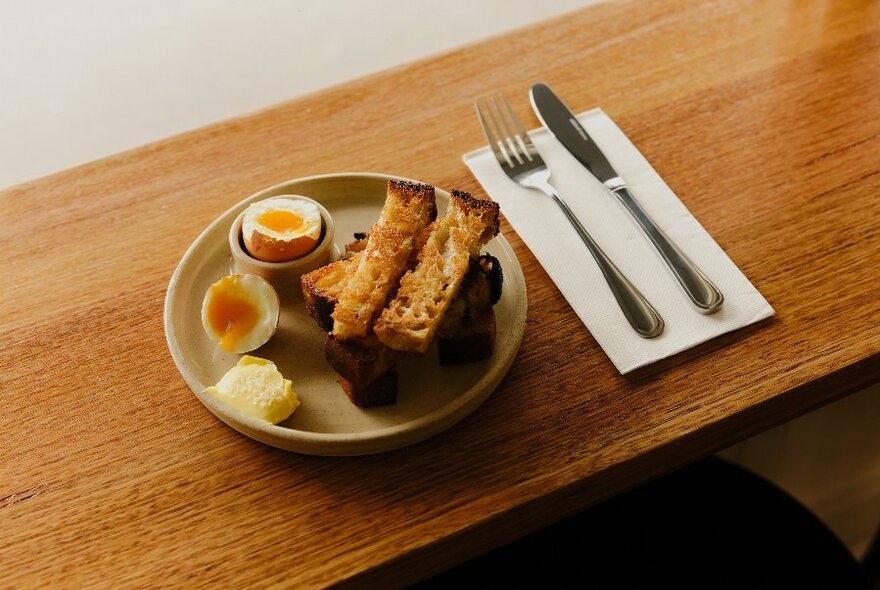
(347, 443)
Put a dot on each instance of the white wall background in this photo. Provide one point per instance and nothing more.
(84, 79)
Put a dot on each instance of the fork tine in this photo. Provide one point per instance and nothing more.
(521, 136)
(508, 135)
(508, 147)
(496, 145)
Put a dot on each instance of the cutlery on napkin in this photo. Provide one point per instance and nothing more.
(563, 124)
(550, 237)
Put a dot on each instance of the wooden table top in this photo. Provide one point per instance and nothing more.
(763, 117)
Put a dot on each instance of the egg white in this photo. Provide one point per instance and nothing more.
(306, 210)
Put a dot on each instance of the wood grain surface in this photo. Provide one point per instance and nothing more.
(764, 117)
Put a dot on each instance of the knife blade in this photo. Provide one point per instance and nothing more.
(564, 125)
(567, 129)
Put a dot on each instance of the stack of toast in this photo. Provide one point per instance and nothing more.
(411, 279)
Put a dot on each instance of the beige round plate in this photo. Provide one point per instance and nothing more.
(430, 398)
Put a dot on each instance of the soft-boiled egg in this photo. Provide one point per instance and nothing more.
(240, 312)
(280, 229)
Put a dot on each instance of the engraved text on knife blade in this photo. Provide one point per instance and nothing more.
(579, 129)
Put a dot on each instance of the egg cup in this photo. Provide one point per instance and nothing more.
(283, 276)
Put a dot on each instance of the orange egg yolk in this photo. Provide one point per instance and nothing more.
(281, 221)
(231, 312)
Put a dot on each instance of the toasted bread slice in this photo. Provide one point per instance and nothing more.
(360, 242)
(381, 392)
(322, 286)
(474, 341)
(467, 333)
(479, 291)
(408, 209)
(359, 361)
(369, 283)
(358, 245)
(414, 315)
(321, 289)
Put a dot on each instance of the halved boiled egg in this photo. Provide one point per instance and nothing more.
(240, 312)
(280, 229)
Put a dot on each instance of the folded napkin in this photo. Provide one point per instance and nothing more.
(545, 230)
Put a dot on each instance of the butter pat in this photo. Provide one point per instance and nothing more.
(256, 388)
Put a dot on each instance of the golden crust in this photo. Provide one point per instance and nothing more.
(412, 318)
(321, 289)
(407, 190)
(439, 256)
(490, 211)
(408, 209)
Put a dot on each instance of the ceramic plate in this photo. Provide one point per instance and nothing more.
(430, 398)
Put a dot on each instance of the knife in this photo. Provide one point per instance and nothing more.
(568, 131)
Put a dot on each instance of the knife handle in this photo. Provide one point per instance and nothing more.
(704, 295)
(640, 314)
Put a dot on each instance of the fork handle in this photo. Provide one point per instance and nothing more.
(703, 294)
(640, 314)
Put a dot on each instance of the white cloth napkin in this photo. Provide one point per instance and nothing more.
(545, 230)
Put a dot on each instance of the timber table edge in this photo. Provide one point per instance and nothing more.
(504, 528)
(524, 517)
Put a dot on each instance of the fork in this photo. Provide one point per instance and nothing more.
(520, 160)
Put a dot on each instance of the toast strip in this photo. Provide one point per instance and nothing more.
(408, 209)
(479, 291)
(359, 361)
(381, 392)
(414, 315)
(321, 289)
(474, 342)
